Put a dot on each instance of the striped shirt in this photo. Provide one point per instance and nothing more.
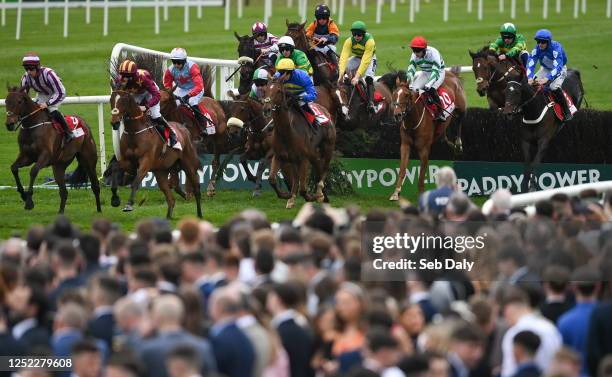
(430, 62)
(47, 83)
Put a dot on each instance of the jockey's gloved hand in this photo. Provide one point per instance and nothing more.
(185, 99)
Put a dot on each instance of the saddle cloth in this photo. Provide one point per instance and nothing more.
(74, 123)
(448, 104)
(210, 126)
(179, 137)
(557, 107)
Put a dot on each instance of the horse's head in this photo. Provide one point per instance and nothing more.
(402, 101)
(246, 46)
(18, 104)
(340, 94)
(513, 93)
(123, 105)
(296, 31)
(167, 101)
(510, 69)
(274, 97)
(247, 120)
(483, 63)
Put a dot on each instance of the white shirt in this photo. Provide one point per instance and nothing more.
(549, 337)
(23, 326)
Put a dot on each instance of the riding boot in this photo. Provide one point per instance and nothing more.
(59, 118)
(560, 99)
(163, 124)
(200, 118)
(370, 90)
(332, 57)
(309, 115)
(433, 96)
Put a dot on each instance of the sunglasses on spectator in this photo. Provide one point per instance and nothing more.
(30, 68)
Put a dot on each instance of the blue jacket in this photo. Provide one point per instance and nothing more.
(300, 84)
(552, 58)
(233, 351)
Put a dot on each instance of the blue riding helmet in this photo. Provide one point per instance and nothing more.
(543, 34)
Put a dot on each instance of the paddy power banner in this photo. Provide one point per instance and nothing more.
(379, 175)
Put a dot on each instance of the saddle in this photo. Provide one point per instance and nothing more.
(209, 126)
(377, 97)
(74, 123)
(557, 107)
(317, 117)
(178, 135)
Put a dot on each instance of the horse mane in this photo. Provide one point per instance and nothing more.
(206, 72)
(390, 78)
(484, 52)
(294, 26)
(226, 105)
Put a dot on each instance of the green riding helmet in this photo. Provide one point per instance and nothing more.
(358, 26)
(508, 29)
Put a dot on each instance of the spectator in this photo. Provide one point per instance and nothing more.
(260, 338)
(123, 365)
(574, 324)
(184, 361)
(105, 291)
(418, 293)
(556, 279)
(458, 207)
(68, 326)
(466, 349)
(350, 309)
(382, 353)
(566, 362)
(167, 314)
(28, 308)
(519, 315)
(297, 341)
(412, 320)
(90, 247)
(86, 359)
(524, 347)
(232, 348)
(65, 262)
(129, 318)
(501, 205)
(433, 202)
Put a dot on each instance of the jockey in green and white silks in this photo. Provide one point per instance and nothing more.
(426, 69)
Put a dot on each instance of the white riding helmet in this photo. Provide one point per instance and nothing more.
(285, 39)
(178, 53)
(261, 74)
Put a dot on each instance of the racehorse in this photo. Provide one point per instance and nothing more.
(249, 61)
(221, 142)
(539, 123)
(142, 149)
(42, 145)
(492, 74)
(352, 102)
(418, 129)
(323, 71)
(296, 145)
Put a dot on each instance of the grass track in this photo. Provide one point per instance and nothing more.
(82, 62)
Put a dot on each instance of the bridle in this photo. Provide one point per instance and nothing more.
(125, 117)
(21, 119)
(519, 108)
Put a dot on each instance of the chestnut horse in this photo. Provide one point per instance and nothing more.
(296, 145)
(142, 149)
(223, 141)
(40, 144)
(418, 129)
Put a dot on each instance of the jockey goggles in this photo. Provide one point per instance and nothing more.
(30, 67)
(541, 41)
(285, 47)
(260, 82)
(417, 49)
(507, 36)
(283, 71)
(178, 61)
(358, 33)
(261, 34)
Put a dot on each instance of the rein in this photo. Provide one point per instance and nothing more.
(535, 94)
(21, 119)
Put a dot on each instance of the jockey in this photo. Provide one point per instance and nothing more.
(189, 84)
(553, 68)
(359, 55)
(265, 43)
(299, 84)
(260, 80)
(48, 87)
(431, 74)
(145, 92)
(324, 32)
(287, 49)
(510, 44)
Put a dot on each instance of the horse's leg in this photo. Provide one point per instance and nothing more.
(245, 164)
(143, 168)
(21, 161)
(294, 170)
(59, 173)
(423, 151)
(404, 159)
(458, 148)
(116, 175)
(210, 190)
(526, 147)
(43, 160)
(175, 183)
(303, 181)
(90, 168)
(542, 144)
(164, 186)
(273, 179)
(327, 153)
(193, 179)
(260, 169)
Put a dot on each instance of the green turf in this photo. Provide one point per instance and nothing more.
(82, 62)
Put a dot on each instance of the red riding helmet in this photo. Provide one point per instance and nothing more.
(418, 42)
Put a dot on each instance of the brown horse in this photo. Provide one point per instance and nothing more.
(142, 149)
(223, 141)
(490, 77)
(418, 129)
(352, 104)
(296, 145)
(40, 144)
(323, 71)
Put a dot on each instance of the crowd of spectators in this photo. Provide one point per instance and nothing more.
(251, 298)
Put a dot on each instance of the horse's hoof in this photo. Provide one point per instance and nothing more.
(128, 208)
(394, 197)
(29, 205)
(210, 193)
(290, 203)
(284, 195)
(24, 197)
(115, 201)
(256, 193)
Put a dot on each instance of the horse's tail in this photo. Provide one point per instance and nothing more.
(207, 76)
(575, 89)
